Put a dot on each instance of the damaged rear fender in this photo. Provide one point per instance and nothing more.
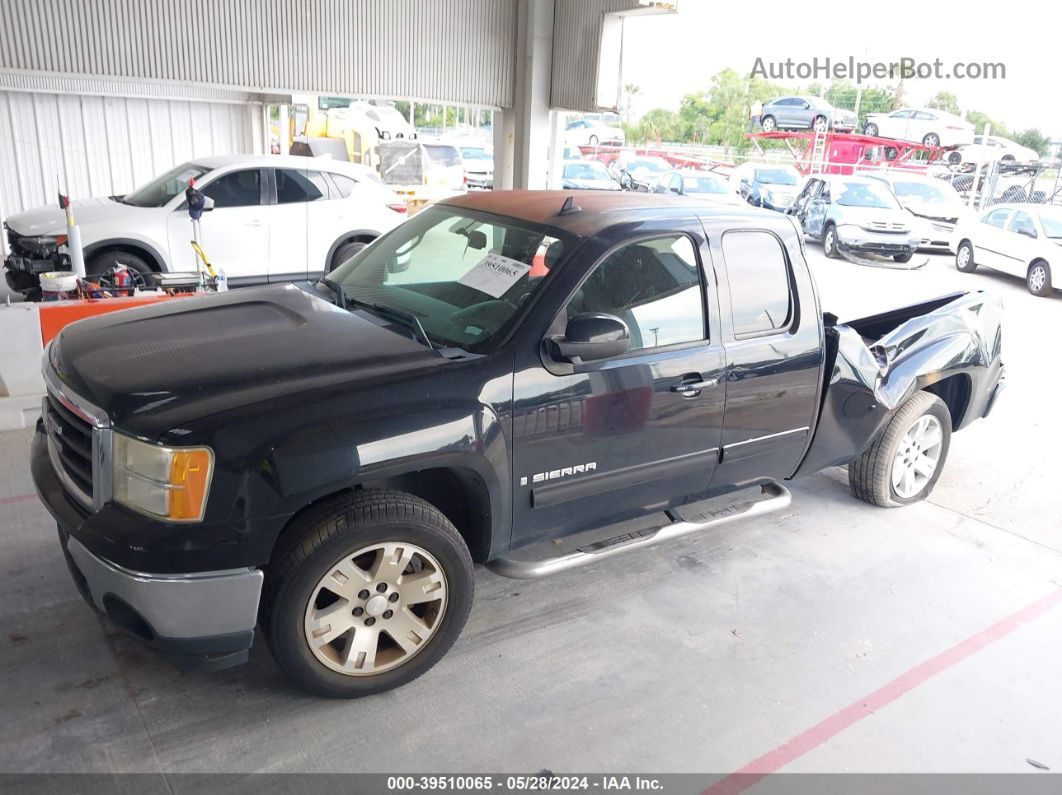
(874, 364)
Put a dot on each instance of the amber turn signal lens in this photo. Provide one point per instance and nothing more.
(189, 482)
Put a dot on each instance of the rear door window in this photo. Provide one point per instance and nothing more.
(295, 186)
(761, 295)
(236, 189)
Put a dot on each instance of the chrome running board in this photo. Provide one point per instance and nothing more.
(777, 498)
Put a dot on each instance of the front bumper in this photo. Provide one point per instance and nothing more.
(482, 181)
(883, 244)
(23, 273)
(200, 620)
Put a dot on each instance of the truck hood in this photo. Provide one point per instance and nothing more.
(153, 369)
(51, 220)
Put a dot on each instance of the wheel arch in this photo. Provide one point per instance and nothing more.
(139, 248)
(955, 391)
(354, 236)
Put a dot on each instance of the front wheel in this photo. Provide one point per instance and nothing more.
(829, 242)
(964, 258)
(370, 591)
(820, 125)
(592, 140)
(870, 129)
(903, 257)
(905, 461)
(768, 124)
(1038, 279)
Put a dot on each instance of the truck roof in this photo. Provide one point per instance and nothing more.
(601, 209)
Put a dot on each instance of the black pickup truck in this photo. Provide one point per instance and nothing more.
(326, 461)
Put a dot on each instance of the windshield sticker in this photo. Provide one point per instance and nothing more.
(494, 275)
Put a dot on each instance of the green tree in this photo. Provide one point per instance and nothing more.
(630, 91)
(1035, 140)
(945, 101)
(979, 120)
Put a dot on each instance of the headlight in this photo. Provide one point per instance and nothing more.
(851, 233)
(170, 483)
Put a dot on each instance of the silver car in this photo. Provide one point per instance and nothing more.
(856, 215)
(805, 113)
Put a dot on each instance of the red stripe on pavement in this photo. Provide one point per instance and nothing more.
(792, 749)
(17, 498)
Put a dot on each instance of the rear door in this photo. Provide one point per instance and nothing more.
(605, 440)
(289, 222)
(773, 341)
(1020, 247)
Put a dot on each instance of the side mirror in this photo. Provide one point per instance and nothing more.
(592, 336)
(807, 106)
(1027, 232)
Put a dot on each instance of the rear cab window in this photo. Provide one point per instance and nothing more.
(761, 283)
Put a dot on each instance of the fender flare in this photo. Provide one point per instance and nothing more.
(348, 237)
(160, 262)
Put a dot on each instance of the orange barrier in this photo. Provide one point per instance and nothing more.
(57, 315)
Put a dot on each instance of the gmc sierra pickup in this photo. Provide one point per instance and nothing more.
(326, 461)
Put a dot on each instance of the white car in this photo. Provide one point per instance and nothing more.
(1020, 239)
(591, 132)
(935, 203)
(274, 219)
(479, 166)
(993, 148)
(923, 125)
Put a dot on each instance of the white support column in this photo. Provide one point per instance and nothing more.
(534, 64)
(284, 129)
(504, 123)
(556, 149)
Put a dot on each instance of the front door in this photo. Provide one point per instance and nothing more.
(605, 440)
(234, 235)
(991, 239)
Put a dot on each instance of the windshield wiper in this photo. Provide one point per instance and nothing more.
(337, 290)
(391, 313)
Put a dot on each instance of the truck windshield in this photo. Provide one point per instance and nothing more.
(159, 191)
(464, 276)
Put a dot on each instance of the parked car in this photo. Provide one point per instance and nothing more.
(587, 175)
(638, 172)
(592, 132)
(856, 215)
(773, 187)
(702, 184)
(274, 219)
(805, 113)
(424, 170)
(935, 202)
(326, 461)
(927, 126)
(1020, 239)
(479, 166)
(993, 148)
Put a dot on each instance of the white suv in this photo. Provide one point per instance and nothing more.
(274, 219)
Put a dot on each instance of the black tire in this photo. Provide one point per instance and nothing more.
(870, 128)
(338, 528)
(870, 475)
(954, 158)
(768, 124)
(903, 257)
(1033, 275)
(820, 121)
(965, 252)
(106, 261)
(829, 242)
(592, 140)
(931, 139)
(345, 252)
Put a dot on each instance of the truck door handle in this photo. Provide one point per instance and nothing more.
(692, 388)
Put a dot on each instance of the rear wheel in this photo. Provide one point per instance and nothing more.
(768, 124)
(1038, 279)
(370, 591)
(592, 140)
(870, 129)
(964, 257)
(345, 252)
(931, 139)
(829, 242)
(905, 461)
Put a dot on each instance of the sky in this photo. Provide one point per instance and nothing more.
(671, 55)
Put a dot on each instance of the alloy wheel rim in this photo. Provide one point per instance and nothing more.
(918, 456)
(376, 608)
(820, 126)
(1037, 278)
(829, 240)
(964, 256)
(768, 125)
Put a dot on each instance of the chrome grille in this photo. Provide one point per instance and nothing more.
(886, 226)
(70, 447)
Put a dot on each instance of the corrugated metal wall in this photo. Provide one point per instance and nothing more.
(101, 146)
(576, 41)
(455, 50)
